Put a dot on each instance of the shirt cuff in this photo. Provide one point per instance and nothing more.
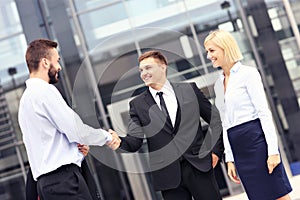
(229, 158)
(108, 136)
(273, 151)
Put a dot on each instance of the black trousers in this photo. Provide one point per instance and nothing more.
(31, 184)
(64, 183)
(194, 183)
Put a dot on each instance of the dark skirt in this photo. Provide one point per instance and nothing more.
(250, 154)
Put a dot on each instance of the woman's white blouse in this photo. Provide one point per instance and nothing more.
(243, 101)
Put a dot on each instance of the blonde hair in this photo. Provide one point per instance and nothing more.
(225, 41)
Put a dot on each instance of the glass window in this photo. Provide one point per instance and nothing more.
(12, 51)
(156, 13)
(9, 19)
(82, 5)
(12, 43)
(14, 188)
(102, 23)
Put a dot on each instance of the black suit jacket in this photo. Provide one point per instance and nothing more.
(167, 145)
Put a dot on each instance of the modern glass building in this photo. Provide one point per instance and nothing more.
(100, 41)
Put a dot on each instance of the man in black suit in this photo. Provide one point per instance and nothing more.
(168, 115)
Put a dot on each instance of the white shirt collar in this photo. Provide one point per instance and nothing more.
(167, 89)
(235, 68)
(35, 81)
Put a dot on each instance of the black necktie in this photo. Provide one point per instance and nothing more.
(164, 107)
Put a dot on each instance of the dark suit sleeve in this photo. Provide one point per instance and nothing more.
(210, 114)
(134, 139)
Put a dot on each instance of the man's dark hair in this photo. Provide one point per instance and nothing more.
(154, 54)
(37, 50)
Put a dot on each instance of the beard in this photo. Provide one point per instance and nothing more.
(53, 74)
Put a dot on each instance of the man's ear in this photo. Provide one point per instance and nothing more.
(44, 62)
(164, 66)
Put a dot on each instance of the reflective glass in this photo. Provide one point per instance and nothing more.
(13, 188)
(9, 19)
(12, 43)
(12, 53)
(99, 25)
(82, 5)
(287, 41)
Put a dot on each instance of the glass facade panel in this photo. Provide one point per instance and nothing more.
(287, 41)
(9, 19)
(155, 13)
(83, 5)
(12, 55)
(12, 44)
(13, 188)
(296, 10)
(102, 23)
(12, 74)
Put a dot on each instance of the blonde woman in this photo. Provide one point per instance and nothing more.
(249, 135)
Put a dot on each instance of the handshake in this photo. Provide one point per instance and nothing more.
(115, 142)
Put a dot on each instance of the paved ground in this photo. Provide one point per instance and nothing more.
(295, 194)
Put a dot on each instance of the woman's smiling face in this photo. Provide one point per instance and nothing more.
(215, 54)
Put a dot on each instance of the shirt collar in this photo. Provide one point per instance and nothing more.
(166, 89)
(35, 81)
(234, 69)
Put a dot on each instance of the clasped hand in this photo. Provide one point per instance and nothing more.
(115, 142)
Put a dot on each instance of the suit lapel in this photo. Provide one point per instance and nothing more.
(178, 92)
(179, 97)
(149, 99)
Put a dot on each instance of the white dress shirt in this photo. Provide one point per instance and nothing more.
(170, 100)
(243, 101)
(51, 129)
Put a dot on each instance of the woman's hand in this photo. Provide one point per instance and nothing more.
(84, 149)
(232, 173)
(272, 162)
